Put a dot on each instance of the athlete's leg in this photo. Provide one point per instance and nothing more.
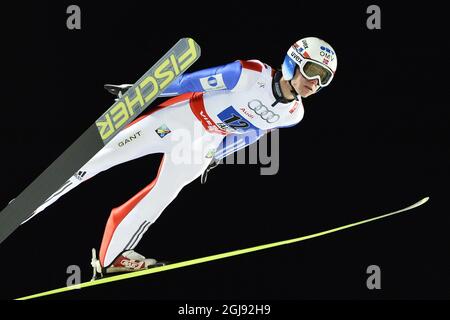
(137, 140)
(127, 223)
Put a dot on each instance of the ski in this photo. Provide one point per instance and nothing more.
(217, 256)
(125, 109)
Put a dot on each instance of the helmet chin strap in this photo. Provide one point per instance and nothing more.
(278, 93)
(294, 91)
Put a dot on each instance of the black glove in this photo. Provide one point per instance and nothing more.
(214, 163)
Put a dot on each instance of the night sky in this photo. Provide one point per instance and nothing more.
(374, 141)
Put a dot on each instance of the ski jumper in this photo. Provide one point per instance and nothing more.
(216, 111)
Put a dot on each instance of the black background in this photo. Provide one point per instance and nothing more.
(375, 141)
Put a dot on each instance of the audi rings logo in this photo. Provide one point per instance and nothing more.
(261, 110)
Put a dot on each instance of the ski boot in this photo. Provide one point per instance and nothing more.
(127, 261)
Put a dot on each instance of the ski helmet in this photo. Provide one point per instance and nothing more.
(315, 58)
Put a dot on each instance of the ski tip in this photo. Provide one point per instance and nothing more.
(192, 42)
(421, 202)
(188, 39)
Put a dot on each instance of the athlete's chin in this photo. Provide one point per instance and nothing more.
(306, 93)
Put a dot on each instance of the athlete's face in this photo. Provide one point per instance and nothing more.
(304, 86)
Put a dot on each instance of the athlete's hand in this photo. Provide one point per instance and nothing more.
(214, 163)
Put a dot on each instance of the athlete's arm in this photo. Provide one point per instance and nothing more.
(223, 77)
(231, 143)
(235, 142)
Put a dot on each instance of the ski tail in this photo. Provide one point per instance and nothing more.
(124, 110)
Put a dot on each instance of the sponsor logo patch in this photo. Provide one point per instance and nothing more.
(163, 131)
(261, 110)
(214, 82)
(294, 107)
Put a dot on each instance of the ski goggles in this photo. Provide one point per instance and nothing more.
(312, 70)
